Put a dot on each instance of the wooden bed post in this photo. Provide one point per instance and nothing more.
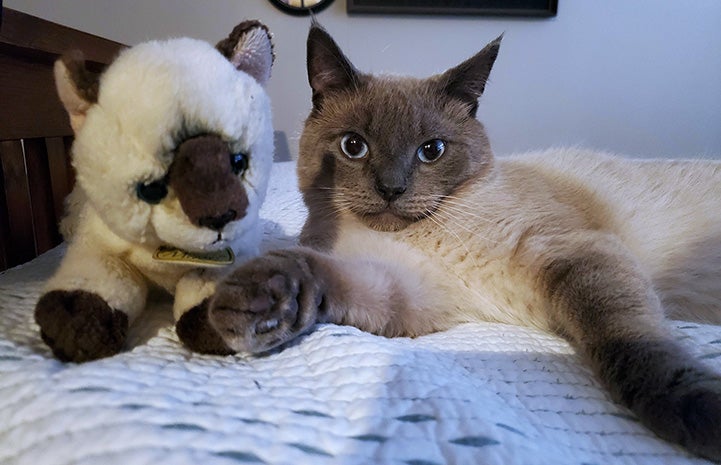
(35, 135)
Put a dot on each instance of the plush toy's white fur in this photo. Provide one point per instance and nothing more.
(146, 97)
(150, 98)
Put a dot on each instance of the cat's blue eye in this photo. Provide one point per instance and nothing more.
(431, 150)
(353, 145)
(238, 162)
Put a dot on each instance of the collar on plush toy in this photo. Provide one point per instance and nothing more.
(175, 256)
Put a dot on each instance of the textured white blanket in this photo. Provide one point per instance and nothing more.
(478, 394)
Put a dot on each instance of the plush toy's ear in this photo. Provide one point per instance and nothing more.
(250, 49)
(77, 87)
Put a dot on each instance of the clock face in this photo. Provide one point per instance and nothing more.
(301, 7)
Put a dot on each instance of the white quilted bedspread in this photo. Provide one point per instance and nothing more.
(478, 394)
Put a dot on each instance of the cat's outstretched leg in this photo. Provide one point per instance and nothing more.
(274, 298)
(601, 300)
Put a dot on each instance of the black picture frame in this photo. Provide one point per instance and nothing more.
(313, 6)
(533, 8)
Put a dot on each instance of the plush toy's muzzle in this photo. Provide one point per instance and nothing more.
(205, 178)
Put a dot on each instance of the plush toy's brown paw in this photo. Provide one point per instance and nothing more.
(80, 326)
(195, 332)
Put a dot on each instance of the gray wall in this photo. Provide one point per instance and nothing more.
(639, 77)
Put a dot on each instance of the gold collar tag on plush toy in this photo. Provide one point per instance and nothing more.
(181, 257)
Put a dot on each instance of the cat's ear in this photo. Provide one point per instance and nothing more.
(77, 86)
(250, 49)
(328, 69)
(467, 81)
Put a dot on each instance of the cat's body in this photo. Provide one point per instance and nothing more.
(414, 227)
(473, 247)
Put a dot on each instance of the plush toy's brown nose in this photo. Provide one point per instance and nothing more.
(217, 222)
(202, 177)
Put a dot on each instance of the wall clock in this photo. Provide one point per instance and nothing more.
(301, 7)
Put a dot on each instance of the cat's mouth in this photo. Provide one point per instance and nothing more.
(390, 216)
(385, 221)
(388, 219)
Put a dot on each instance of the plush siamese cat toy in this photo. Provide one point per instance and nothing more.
(414, 227)
(173, 149)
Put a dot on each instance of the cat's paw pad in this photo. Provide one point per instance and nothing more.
(195, 331)
(80, 326)
(265, 303)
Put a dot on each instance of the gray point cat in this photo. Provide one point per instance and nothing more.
(415, 227)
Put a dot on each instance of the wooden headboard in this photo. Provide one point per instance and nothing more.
(35, 135)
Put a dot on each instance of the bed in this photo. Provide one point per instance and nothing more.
(477, 394)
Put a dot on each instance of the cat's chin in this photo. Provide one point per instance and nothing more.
(386, 222)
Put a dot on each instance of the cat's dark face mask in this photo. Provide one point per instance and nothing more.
(397, 146)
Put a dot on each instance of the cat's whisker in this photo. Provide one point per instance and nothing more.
(455, 235)
(479, 297)
(463, 210)
(459, 201)
(447, 199)
(461, 225)
(329, 212)
(457, 215)
(466, 209)
(337, 202)
(460, 219)
(344, 205)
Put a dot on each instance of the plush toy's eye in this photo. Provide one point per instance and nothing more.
(353, 145)
(152, 192)
(238, 162)
(431, 150)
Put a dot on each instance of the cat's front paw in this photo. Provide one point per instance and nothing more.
(266, 302)
(685, 409)
(80, 326)
(701, 411)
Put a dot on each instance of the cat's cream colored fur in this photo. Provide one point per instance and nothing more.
(484, 244)
(413, 227)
